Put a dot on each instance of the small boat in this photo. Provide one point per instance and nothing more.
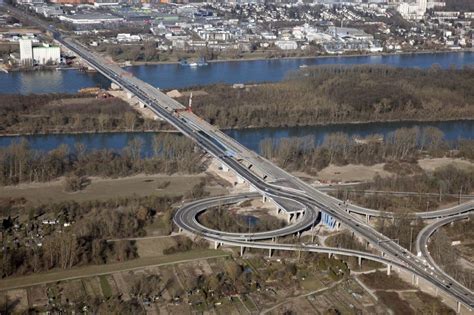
(303, 66)
(200, 63)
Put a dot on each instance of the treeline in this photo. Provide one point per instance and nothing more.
(84, 241)
(62, 113)
(444, 180)
(340, 94)
(404, 144)
(171, 153)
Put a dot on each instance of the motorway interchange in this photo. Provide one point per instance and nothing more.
(263, 179)
(310, 199)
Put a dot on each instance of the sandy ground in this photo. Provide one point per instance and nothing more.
(351, 173)
(102, 189)
(360, 173)
(432, 164)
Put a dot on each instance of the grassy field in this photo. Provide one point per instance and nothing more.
(153, 247)
(105, 286)
(96, 270)
(103, 189)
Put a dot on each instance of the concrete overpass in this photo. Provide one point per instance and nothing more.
(275, 182)
(219, 145)
(422, 244)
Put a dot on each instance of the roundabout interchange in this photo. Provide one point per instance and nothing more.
(300, 202)
(292, 196)
(186, 219)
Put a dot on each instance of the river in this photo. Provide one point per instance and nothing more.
(168, 76)
(175, 76)
(251, 138)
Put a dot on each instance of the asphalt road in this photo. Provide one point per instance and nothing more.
(424, 236)
(313, 200)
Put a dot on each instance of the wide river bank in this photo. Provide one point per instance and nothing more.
(168, 76)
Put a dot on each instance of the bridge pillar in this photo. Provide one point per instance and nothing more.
(329, 255)
(129, 95)
(458, 307)
(389, 267)
(224, 167)
(114, 86)
(414, 280)
(359, 260)
(240, 180)
(367, 219)
(141, 104)
(241, 251)
(216, 244)
(269, 253)
(264, 198)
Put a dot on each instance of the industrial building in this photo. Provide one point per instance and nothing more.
(46, 55)
(26, 52)
(41, 55)
(90, 19)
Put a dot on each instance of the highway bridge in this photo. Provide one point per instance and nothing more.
(289, 193)
(186, 219)
(428, 231)
(287, 187)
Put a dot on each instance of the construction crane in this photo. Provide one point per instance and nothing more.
(188, 109)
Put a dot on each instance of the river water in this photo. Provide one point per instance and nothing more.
(175, 76)
(168, 76)
(251, 138)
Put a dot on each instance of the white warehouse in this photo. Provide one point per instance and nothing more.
(39, 55)
(46, 54)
